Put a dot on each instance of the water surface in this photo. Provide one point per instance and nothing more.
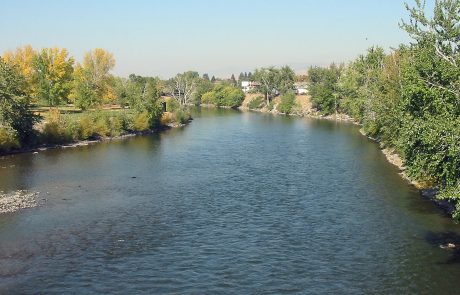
(234, 203)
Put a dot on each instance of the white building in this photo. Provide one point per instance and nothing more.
(301, 88)
(248, 85)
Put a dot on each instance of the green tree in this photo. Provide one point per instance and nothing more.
(285, 80)
(233, 80)
(15, 110)
(323, 87)
(268, 79)
(224, 95)
(53, 70)
(93, 83)
(431, 98)
(287, 103)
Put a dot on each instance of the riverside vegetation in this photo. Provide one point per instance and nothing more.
(407, 99)
(38, 86)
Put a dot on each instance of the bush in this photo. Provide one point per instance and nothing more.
(101, 126)
(55, 131)
(167, 118)
(172, 105)
(8, 139)
(182, 116)
(256, 103)
(141, 121)
(287, 103)
(86, 130)
(224, 95)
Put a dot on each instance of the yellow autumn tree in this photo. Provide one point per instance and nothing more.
(53, 70)
(23, 58)
(92, 79)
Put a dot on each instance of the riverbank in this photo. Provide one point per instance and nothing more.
(79, 143)
(304, 108)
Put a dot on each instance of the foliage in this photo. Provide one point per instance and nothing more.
(23, 58)
(287, 103)
(323, 87)
(141, 121)
(8, 139)
(224, 95)
(274, 81)
(92, 79)
(203, 86)
(53, 70)
(256, 103)
(183, 86)
(54, 130)
(408, 99)
(15, 110)
(172, 105)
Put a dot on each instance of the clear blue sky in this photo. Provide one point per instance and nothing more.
(163, 37)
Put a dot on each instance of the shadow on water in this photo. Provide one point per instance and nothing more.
(14, 171)
(449, 241)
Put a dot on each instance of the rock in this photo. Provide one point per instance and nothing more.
(448, 246)
(17, 200)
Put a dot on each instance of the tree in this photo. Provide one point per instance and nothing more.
(183, 86)
(203, 86)
(431, 98)
(233, 80)
(213, 79)
(92, 79)
(323, 87)
(241, 78)
(53, 70)
(268, 79)
(224, 95)
(206, 76)
(15, 110)
(23, 58)
(285, 80)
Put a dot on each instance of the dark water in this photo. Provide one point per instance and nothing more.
(236, 203)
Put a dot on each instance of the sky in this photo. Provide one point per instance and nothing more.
(165, 37)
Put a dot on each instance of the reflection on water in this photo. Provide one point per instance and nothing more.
(236, 202)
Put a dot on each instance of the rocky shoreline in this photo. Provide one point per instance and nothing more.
(17, 200)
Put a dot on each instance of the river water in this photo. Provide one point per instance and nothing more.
(234, 203)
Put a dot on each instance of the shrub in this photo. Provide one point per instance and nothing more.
(224, 95)
(182, 116)
(167, 118)
(55, 131)
(115, 124)
(287, 103)
(256, 103)
(86, 127)
(141, 121)
(8, 139)
(172, 105)
(101, 126)
(208, 97)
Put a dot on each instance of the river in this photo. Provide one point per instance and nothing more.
(239, 203)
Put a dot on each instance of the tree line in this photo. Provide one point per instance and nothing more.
(408, 99)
